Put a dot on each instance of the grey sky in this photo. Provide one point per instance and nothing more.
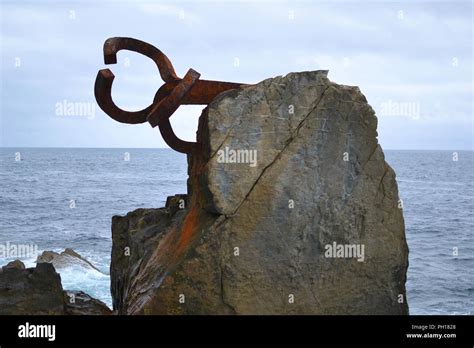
(412, 61)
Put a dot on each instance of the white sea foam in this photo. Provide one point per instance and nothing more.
(77, 277)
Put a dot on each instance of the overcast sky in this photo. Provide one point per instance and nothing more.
(413, 62)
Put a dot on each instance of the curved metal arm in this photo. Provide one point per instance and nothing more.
(105, 77)
(103, 95)
(115, 44)
(175, 91)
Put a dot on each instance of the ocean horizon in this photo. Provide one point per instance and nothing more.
(167, 148)
(57, 198)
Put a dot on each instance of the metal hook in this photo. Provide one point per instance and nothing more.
(168, 98)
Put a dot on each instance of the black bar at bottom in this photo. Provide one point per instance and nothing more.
(135, 330)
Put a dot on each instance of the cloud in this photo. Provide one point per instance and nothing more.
(171, 11)
(361, 43)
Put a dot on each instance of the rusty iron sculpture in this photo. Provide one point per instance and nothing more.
(175, 92)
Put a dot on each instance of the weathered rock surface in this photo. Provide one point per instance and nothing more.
(79, 303)
(16, 264)
(253, 236)
(65, 259)
(38, 291)
(31, 290)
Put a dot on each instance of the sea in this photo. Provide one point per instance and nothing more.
(57, 198)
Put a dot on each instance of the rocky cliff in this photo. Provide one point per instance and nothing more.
(291, 209)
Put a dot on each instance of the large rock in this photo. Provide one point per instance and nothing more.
(38, 291)
(255, 237)
(25, 291)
